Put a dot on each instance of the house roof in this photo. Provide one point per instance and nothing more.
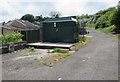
(10, 27)
(28, 24)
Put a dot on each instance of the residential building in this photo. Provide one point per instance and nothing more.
(23, 24)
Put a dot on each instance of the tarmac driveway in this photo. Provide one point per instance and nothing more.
(97, 60)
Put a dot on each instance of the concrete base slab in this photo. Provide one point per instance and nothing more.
(53, 45)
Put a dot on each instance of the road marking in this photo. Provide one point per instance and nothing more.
(59, 78)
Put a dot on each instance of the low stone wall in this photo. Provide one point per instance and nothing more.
(10, 47)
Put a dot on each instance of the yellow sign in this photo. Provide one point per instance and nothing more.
(54, 24)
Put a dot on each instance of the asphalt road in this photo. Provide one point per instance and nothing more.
(97, 60)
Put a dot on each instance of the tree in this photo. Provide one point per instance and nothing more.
(116, 18)
(28, 17)
(105, 19)
(55, 14)
(46, 17)
(37, 18)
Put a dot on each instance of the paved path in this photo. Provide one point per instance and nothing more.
(97, 60)
(0, 67)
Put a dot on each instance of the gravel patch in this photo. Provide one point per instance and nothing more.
(24, 59)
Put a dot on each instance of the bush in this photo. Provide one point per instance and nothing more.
(57, 49)
(105, 17)
(11, 38)
(116, 19)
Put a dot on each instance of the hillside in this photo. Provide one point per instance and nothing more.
(107, 20)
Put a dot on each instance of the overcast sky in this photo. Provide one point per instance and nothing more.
(11, 9)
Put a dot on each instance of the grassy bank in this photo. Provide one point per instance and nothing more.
(90, 25)
(107, 29)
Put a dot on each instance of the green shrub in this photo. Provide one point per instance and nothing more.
(105, 18)
(53, 52)
(11, 38)
(116, 18)
(57, 49)
(63, 51)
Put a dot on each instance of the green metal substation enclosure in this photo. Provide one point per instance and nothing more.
(63, 30)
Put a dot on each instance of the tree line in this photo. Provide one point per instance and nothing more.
(32, 18)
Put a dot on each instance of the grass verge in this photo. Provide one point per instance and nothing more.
(118, 36)
(84, 41)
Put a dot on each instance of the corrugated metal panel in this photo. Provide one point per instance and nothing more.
(31, 35)
(60, 30)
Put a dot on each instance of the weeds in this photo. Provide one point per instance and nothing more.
(65, 56)
(45, 63)
(83, 39)
(48, 51)
(58, 50)
(35, 58)
(31, 49)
